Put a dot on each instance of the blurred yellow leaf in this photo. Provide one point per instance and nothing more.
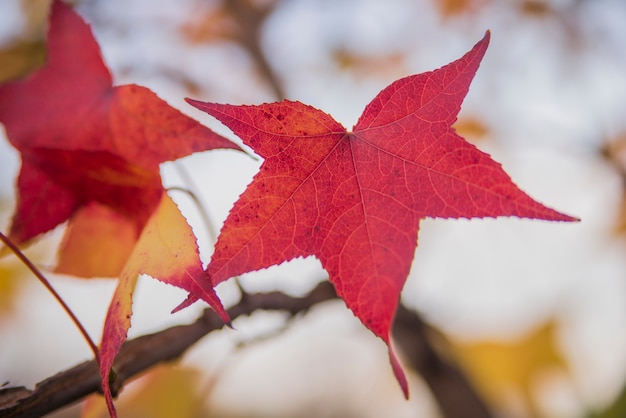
(499, 368)
(28, 49)
(620, 227)
(614, 153)
(388, 65)
(36, 17)
(471, 129)
(216, 24)
(449, 8)
(12, 275)
(97, 243)
(21, 58)
(165, 391)
(537, 8)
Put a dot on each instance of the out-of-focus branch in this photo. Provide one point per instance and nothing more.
(140, 354)
(454, 395)
(250, 17)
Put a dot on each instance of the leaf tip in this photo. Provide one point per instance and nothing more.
(192, 102)
(398, 371)
(568, 218)
(190, 300)
(483, 43)
(217, 308)
(556, 216)
(198, 104)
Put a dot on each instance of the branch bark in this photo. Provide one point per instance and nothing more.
(452, 392)
(454, 395)
(140, 354)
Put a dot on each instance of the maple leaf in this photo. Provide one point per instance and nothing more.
(90, 151)
(355, 199)
(91, 154)
(166, 250)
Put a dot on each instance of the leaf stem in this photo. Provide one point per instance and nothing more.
(47, 285)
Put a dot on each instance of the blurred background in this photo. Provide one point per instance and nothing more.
(532, 312)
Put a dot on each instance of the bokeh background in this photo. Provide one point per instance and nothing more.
(533, 312)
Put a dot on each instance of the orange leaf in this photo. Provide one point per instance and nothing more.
(166, 250)
(97, 242)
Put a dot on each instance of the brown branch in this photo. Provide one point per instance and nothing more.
(250, 18)
(454, 395)
(140, 354)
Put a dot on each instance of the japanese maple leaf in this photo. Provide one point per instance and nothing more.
(91, 154)
(355, 199)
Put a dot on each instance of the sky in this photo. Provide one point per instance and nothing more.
(550, 93)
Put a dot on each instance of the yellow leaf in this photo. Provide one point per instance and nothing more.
(450, 8)
(470, 128)
(499, 368)
(165, 391)
(20, 59)
(363, 65)
(100, 247)
(12, 274)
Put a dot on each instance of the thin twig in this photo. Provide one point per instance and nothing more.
(454, 394)
(142, 353)
(204, 213)
(193, 192)
(47, 285)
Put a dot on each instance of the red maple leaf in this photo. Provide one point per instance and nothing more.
(91, 154)
(90, 151)
(355, 199)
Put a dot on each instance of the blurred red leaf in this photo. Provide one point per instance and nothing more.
(91, 154)
(355, 199)
(84, 142)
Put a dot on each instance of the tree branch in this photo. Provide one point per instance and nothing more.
(140, 354)
(454, 395)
